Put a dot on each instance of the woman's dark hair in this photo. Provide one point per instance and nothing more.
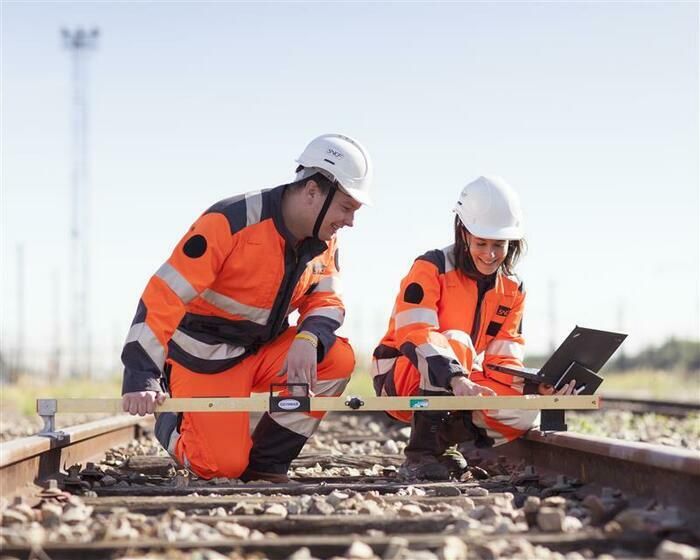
(324, 184)
(465, 263)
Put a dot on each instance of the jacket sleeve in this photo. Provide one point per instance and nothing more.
(508, 346)
(418, 334)
(191, 268)
(322, 311)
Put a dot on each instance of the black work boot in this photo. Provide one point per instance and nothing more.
(424, 449)
(274, 448)
(452, 432)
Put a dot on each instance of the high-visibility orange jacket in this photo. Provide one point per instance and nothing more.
(228, 288)
(448, 324)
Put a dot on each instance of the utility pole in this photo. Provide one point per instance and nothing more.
(55, 356)
(552, 304)
(19, 364)
(79, 42)
(622, 358)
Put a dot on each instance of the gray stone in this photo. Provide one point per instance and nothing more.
(369, 508)
(405, 433)
(277, 509)
(51, 514)
(475, 491)
(410, 510)
(554, 501)
(11, 517)
(571, 524)
(301, 554)
(359, 550)
(632, 520)
(669, 550)
(335, 497)
(321, 507)
(550, 519)
(390, 447)
(531, 505)
(396, 549)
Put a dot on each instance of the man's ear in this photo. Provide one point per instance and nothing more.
(311, 190)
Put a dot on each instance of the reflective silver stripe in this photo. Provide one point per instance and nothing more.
(256, 314)
(172, 442)
(460, 336)
(449, 253)
(518, 419)
(205, 351)
(382, 365)
(428, 349)
(424, 371)
(328, 284)
(416, 315)
(331, 387)
(478, 363)
(142, 333)
(335, 313)
(176, 282)
(298, 422)
(479, 420)
(253, 207)
(508, 348)
(425, 351)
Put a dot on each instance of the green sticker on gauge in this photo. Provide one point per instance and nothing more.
(418, 403)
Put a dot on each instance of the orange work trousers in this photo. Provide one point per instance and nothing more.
(218, 444)
(494, 427)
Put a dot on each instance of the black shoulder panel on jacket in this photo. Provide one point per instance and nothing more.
(244, 209)
(435, 257)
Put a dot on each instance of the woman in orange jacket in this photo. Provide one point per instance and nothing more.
(458, 312)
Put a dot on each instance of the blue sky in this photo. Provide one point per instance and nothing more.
(590, 110)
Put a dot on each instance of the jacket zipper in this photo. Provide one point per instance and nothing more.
(476, 323)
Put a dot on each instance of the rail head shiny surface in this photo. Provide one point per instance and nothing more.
(657, 456)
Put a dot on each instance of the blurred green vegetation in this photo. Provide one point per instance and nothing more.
(673, 355)
(21, 396)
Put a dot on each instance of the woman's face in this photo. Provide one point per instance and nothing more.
(488, 254)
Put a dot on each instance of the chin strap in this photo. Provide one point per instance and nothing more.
(324, 210)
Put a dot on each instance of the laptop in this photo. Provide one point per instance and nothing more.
(579, 357)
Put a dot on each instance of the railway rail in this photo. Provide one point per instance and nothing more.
(547, 494)
(663, 407)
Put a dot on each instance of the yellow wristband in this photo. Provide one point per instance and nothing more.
(308, 337)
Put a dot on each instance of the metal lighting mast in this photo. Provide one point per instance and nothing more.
(79, 42)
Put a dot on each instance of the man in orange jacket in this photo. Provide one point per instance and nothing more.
(213, 320)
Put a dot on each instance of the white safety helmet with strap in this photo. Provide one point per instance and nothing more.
(340, 159)
(489, 208)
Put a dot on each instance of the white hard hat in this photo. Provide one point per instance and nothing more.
(489, 208)
(344, 159)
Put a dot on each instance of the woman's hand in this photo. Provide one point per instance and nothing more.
(462, 387)
(568, 389)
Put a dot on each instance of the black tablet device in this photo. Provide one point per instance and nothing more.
(590, 349)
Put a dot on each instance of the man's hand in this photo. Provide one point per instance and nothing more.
(462, 387)
(142, 402)
(568, 389)
(301, 364)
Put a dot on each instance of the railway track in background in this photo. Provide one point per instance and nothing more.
(663, 407)
(347, 500)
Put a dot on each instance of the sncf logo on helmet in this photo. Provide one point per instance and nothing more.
(335, 153)
(345, 159)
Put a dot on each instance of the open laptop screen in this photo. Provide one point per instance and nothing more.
(589, 347)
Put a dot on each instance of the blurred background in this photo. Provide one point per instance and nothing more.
(122, 122)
